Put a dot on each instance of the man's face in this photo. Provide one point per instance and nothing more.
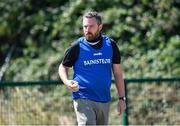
(91, 28)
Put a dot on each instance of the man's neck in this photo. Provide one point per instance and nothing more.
(93, 43)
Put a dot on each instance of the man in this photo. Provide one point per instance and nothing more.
(93, 58)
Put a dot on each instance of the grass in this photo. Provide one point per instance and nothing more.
(149, 104)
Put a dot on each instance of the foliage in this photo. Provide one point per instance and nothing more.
(154, 104)
(147, 33)
(148, 37)
(149, 104)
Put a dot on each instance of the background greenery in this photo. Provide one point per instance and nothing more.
(147, 33)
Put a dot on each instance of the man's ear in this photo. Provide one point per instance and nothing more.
(100, 27)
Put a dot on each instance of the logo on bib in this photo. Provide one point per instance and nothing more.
(97, 54)
(97, 61)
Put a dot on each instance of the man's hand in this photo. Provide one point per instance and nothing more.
(121, 106)
(72, 85)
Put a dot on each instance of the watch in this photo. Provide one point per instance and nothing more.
(122, 98)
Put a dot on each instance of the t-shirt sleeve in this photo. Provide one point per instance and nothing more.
(71, 55)
(116, 53)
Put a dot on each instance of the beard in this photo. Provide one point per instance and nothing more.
(91, 37)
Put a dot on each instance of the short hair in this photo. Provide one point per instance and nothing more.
(93, 14)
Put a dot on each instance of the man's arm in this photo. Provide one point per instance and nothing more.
(118, 76)
(63, 73)
(119, 81)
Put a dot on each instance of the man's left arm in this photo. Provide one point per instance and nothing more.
(119, 81)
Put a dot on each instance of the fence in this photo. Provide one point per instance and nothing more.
(149, 101)
(152, 101)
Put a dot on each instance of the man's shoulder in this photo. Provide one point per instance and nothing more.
(75, 43)
(111, 40)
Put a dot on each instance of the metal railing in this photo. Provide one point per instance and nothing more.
(144, 80)
(125, 117)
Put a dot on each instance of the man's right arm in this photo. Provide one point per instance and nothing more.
(63, 73)
(69, 60)
(71, 84)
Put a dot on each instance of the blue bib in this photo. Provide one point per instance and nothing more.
(93, 71)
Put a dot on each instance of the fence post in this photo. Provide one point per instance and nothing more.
(125, 114)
